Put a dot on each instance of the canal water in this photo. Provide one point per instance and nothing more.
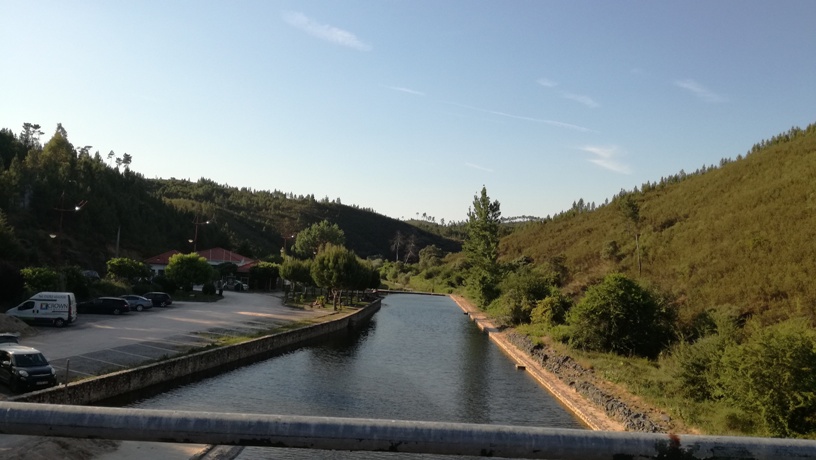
(420, 358)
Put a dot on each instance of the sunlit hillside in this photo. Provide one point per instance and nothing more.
(742, 233)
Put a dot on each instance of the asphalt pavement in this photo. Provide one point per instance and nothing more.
(99, 344)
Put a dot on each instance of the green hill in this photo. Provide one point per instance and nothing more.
(741, 234)
(124, 213)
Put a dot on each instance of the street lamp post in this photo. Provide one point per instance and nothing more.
(197, 222)
(285, 239)
(62, 210)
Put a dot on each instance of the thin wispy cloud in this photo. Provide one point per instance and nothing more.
(480, 168)
(607, 158)
(580, 98)
(406, 90)
(558, 124)
(324, 31)
(586, 100)
(699, 90)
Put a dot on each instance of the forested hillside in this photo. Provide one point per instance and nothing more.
(742, 234)
(60, 204)
(695, 293)
(260, 221)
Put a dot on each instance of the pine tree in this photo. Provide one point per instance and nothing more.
(482, 247)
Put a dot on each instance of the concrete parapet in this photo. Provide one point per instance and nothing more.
(187, 367)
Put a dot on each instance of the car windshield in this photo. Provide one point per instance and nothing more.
(30, 360)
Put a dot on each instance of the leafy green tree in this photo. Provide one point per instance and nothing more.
(264, 274)
(9, 245)
(312, 239)
(773, 375)
(620, 316)
(482, 247)
(127, 269)
(189, 269)
(41, 279)
(430, 256)
(296, 270)
(336, 268)
(30, 137)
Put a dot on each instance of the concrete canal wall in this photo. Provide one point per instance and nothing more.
(188, 367)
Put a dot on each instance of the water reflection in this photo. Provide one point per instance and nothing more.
(419, 358)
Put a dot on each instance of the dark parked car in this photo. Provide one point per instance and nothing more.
(8, 337)
(23, 368)
(111, 305)
(138, 302)
(160, 299)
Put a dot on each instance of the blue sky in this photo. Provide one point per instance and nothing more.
(409, 107)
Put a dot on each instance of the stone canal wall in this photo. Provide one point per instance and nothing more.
(193, 366)
(567, 380)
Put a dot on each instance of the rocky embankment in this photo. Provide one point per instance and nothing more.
(584, 382)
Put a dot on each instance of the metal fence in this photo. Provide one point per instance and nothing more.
(347, 434)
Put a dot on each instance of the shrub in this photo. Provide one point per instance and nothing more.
(696, 366)
(164, 284)
(41, 279)
(620, 316)
(520, 291)
(110, 288)
(76, 282)
(208, 288)
(189, 269)
(552, 310)
(141, 288)
(773, 374)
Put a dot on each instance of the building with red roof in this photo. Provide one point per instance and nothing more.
(214, 256)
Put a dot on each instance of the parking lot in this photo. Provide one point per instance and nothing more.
(99, 344)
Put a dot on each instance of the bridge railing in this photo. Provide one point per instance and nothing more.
(349, 434)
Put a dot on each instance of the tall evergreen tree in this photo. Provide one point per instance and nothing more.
(482, 247)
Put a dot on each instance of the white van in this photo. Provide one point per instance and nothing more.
(57, 308)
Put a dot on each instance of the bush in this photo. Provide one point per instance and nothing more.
(189, 269)
(39, 279)
(520, 292)
(109, 288)
(552, 310)
(696, 367)
(76, 282)
(141, 288)
(620, 316)
(208, 288)
(773, 374)
(163, 284)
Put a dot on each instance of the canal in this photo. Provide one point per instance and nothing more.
(420, 358)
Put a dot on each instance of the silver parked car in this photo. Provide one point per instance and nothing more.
(138, 302)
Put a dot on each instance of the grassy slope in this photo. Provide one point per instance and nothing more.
(739, 236)
(742, 234)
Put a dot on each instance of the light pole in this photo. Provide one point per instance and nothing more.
(285, 239)
(197, 222)
(62, 210)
